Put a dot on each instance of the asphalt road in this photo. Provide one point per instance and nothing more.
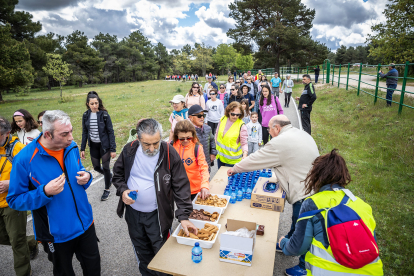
(117, 255)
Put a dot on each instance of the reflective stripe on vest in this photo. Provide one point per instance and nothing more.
(229, 151)
(319, 260)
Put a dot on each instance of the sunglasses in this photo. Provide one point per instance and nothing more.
(235, 114)
(221, 87)
(237, 82)
(212, 94)
(40, 122)
(196, 87)
(200, 115)
(186, 139)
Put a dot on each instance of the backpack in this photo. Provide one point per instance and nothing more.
(195, 150)
(351, 241)
(9, 148)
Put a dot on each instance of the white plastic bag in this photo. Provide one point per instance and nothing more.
(242, 232)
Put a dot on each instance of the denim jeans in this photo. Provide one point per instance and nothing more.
(316, 78)
(219, 164)
(390, 91)
(295, 215)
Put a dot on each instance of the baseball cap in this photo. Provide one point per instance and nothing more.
(178, 99)
(195, 109)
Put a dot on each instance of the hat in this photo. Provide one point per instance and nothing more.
(195, 109)
(243, 85)
(178, 99)
(275, 73)
(248, 72)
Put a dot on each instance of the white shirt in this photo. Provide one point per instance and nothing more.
(228, 86)
(27, 137)
(141, 178)
(215, 110)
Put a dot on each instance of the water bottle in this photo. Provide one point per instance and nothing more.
(133, 195)
(249, 192)
(244, 188)
(197, 253)
(227, 192)
(233, 196)
(239, 194)
(269, 173)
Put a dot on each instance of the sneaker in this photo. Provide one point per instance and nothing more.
(105, 195)
(34, 252)
(295, 271)
(278, 249)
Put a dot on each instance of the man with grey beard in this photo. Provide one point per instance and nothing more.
(154, 170)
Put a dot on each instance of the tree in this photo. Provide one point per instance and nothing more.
(107, 46)
(58, 69)
(278, 27)
(202, 58)
(16, 70)
(244, 62)
(163, 59)
(181, 63)
(340, 54)
(392, 41)
(83, 59)
(22, 26)
(187, 48)
(225, 57)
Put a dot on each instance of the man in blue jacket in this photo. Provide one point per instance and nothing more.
(49, 179)
(392, 80)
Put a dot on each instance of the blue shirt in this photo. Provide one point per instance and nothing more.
(275, 81)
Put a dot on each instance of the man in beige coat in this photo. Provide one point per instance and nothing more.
(290, 153)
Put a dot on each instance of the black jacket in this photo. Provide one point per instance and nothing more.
(170, 180)
(205, 135)
(106, 131)
(308, 97)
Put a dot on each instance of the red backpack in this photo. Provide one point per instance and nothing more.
(351, 241)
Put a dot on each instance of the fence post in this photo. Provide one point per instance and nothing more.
(328, 69)
(298, 74)
(323, 73)
(403, 87)
(339, 74)
(307, 70)
(347, 76)
(359, 81)
(376, 86)
(333, 74)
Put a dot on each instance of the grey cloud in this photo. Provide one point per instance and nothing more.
(47, 5)
(341, 13)
(215, 23)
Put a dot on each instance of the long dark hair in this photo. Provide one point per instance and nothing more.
(94, 95)
(239, 94)
(30, 122)
(190, 93)
(269, 97)
(327, 169)
(246, 102)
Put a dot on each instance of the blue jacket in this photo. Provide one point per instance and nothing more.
(392, 77)
(58, 218)
(306, 230)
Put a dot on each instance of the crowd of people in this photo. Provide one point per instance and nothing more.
(43, 172)
(184, 77)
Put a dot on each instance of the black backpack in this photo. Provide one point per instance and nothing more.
(9, 153)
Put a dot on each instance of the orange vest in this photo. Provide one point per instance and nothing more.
(197, 170)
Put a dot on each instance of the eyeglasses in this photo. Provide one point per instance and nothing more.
(40, 122)
(212, 94)
(233, 89)
(185, 139)
(221, 87)
(237, 81)
(235, 114)
(200, 115)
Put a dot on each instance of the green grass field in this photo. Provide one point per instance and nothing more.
(376, 142)
(378, 146)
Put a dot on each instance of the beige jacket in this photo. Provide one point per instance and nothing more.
(291, 155)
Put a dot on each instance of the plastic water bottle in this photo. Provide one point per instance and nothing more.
(249, 192)
(233, 196)
(239, 194)
(244, 188)
(227, 192)
(269, 173)
(197, 253)
(133, 195)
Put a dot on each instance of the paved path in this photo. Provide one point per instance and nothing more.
(117, 256)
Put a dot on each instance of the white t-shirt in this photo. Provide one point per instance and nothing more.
(142, 179)
(215, 110)
(228, 86)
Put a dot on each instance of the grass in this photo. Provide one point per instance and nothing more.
(125, 102)
(378, 146)
(376, 142)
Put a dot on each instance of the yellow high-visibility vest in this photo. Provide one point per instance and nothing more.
(229, 151)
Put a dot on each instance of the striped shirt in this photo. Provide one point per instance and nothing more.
(93, 130)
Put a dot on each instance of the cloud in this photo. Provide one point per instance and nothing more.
(45, 5)
(217, 15)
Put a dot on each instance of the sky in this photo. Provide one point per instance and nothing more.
(176, 23)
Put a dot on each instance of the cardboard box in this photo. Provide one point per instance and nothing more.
(263, 199)
(237, 250)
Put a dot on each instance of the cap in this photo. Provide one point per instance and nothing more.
(248, 72)
(275, 73)
(178, 99)
(195, 109)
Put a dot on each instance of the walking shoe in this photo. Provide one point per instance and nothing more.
(34, 252)
(295, 271)
(105, 195)
(278, 249)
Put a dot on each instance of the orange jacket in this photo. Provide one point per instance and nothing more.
(197, 171)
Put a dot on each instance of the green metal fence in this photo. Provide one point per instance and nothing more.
(344, 73)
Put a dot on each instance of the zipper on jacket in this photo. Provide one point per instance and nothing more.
(156, 197)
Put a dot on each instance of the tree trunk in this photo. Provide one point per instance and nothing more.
(80, 84)
(1, 97)
(133, 75)
(49, 87)
(159, 73)
(60, 84)
(106, 80)
(277, 65)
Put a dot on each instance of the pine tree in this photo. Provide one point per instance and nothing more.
(163, 59)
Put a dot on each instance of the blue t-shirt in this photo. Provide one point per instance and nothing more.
(275, 81)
